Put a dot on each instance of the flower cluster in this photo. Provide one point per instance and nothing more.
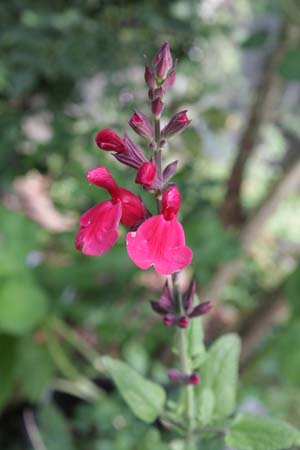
(167, 307)
(152, 240)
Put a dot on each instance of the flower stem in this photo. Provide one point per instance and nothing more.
(185, 367)
(182, 334)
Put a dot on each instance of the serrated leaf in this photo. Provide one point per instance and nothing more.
(145, 398)
(219, 373)
(250, 432)
(23, 305)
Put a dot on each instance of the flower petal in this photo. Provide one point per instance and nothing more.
(99, 228)
(160, 243)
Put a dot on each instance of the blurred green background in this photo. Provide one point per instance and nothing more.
(69, 69)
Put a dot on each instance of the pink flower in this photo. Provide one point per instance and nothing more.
(160, 240)
(98, 230)
(109, 140)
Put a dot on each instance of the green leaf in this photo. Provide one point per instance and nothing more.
(289, 67)
(34, 368)
(145, 398)
(23, 305)
(249, 432)
(219, 374)
(54, 429)
(206, 402)
(8, 347)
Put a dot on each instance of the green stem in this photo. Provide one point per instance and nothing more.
(182, 335)
(185, 367)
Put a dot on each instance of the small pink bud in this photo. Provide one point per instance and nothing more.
(109, 140)
(162, 61)
(146, 174)
(170, 80)
(141, 125)
(183, 322)
(169, 320)
(157, 107)
(177, 124)
(169, 171)
(171, 200)
(194, 378)
(199, 310)
(176, 376)
(149, 77)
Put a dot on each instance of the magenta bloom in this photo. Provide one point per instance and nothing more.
(160, 240)
(98, 230)
(109, 140)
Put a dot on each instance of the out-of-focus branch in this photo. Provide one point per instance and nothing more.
(288, 183)
(254, 327)
(231, 211)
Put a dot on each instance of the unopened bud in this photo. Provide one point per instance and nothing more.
(194, 378)
(169, 320)
(176, 376)
(199, 310)
(157, 107)
(149, 77)
(141, 125)
(183, 322)
(162, 61)
(177, 124)
(109, 140)
(146, 174)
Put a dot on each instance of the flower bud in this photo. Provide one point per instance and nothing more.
(194, 378)
(141, 125)
(171, 200)
(132, 155)
(177, 124)
(169, 320)
(162, 61)
(176, 376)
(199, 310)
(149, 77)
(146, 174)
(183, 322)
(169, 171)
(170, 80)
(109, 140)
(157, 107)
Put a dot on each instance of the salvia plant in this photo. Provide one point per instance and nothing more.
(204, 411)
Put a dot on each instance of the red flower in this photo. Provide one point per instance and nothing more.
(109, 140)
(160, 240)
(98, 230)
